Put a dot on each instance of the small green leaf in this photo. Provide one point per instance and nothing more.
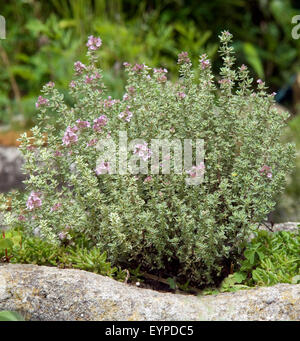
(171, 283)
(253, 59)
(6, 243)
(7, 315)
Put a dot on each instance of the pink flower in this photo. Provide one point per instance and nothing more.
(109, 102)
(204, 62)
(55, 207)
(93, 43)
(99, 123)
(195, 170)
(243, 67)
(79, 67)
(160, 70)
(126, 115)
(126, 97)
(92, 142)
(148, 179)
(82, 124)
(62, 235)
(162, 78)
(103, 168)
(138, 67)
(33, 201)
(183, 58)
(266, 170)
(131, 90)
(72, 84)
(57, 153)
(50, 84)
(74, 129)
(88, 79)
(142, 151)
(41, 102)
(126, 64)
(224, 81)
(70, 136)
(181, 94)
(21, 217)
(259, 81)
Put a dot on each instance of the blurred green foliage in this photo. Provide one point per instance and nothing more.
(45, 38)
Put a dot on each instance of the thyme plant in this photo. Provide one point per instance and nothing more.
(157, 221)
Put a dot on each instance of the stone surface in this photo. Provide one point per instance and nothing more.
(288, 226)
(45, 293)
(10, 169)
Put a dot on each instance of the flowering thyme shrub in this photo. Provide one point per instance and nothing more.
(156, 221)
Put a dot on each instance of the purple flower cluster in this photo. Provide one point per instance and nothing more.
(33, 201)
(126, 97)
(110, 102)
(57, 153)
(79, 67)
(50, 85)
(131, 90)
(21, 217)
(195, 170)
(41, 102)
(62, 235)
(99, 123)
(183, 58)
(142, 151)
(72, 84)
(181, 94)
(82, 124)
(160, 70)
(70, 136)
(224, 81)
(266, 170)
(204, 62)
(103, 168)
(92, 142)
(89, 79)
(126, 115)
(138, 67)
(93, 43)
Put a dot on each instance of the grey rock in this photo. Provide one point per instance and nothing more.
(288, 226)
(11, 175)
(48, 293)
